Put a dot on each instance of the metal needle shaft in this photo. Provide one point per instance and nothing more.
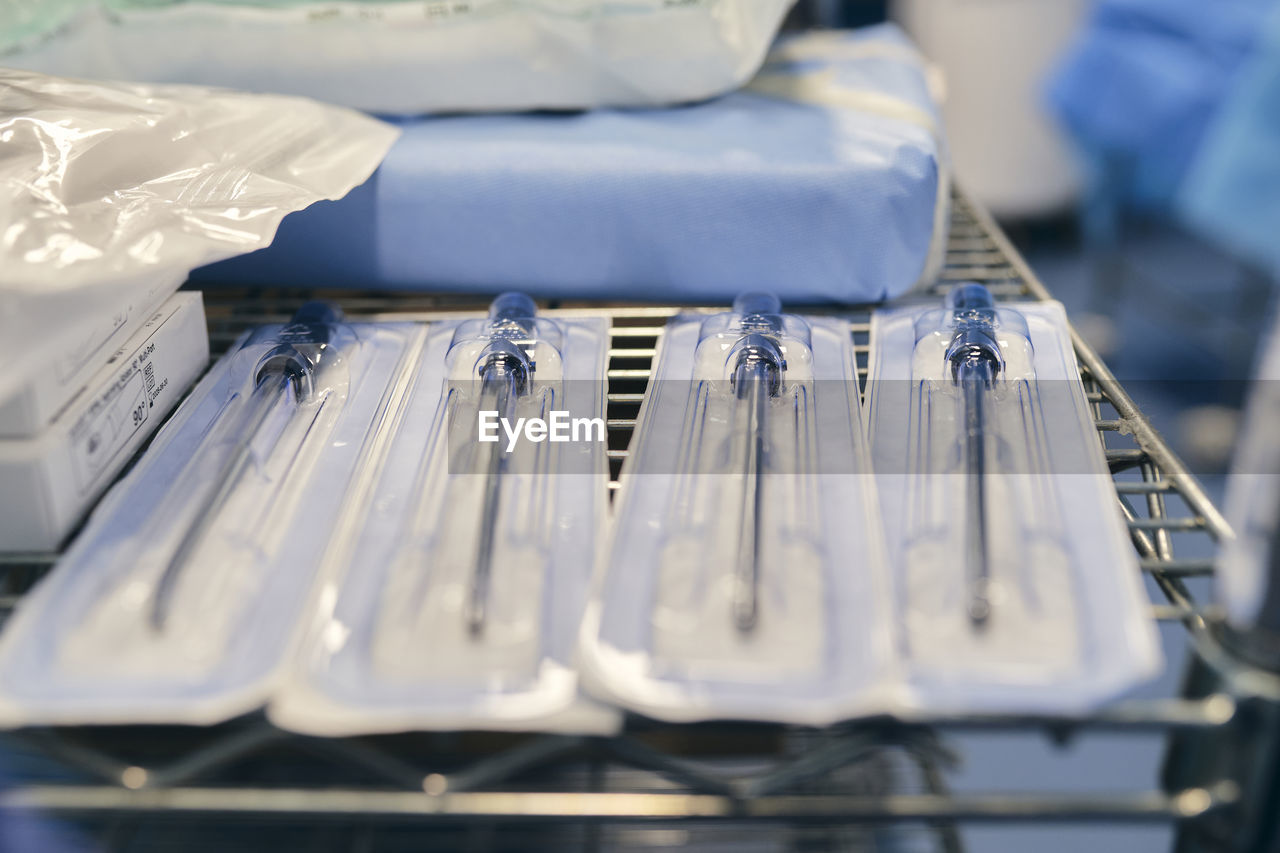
(974, 358)
(754, 377)
(975, 378)
(498, 392)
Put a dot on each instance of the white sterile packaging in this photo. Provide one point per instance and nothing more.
(111, 193)
(1247, 583)
(416, 56)
(744, 579)
(49, 481)
(33, 406)
(180, 601)
(455, 599)
(1016, 587)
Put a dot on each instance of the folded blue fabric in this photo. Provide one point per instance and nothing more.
(1144, 79)
(823, 180)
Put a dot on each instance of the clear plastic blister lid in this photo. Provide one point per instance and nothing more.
(172, 600)
(179, 600)
(988, 573)
(463, 580)
(735, 509)
(743, 577)
(468, 573)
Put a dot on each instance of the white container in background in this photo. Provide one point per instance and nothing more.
(996, 56)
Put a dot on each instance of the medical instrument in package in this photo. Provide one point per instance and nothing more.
(744, 576)
(400, 57)
(457, 595)
(111, 193)
(825, 178)
(49, 481)
(1248, 571)
(180, 601)
(1015, 584)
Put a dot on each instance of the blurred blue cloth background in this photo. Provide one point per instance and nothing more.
(1144, 80)
(1232, 194)
(822, 186)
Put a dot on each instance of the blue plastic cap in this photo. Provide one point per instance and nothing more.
(318, 312)
(969, 297)
(512, 306)
(756, 302)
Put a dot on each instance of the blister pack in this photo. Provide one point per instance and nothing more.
(179, 601)
(457, 596)
(1016, 587)
(743, 578)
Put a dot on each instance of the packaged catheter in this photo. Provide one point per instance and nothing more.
(179, 601)
(456, 597)
(1015, 583)
(743, 579)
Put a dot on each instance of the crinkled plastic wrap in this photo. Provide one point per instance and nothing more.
(414, 56)
(432, 618)
(109, 191)
(744, 577)
(180, 601)
(1016, 587)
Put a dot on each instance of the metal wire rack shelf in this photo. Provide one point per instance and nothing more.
(663, 775)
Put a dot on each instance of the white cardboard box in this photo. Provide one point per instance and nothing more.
(48, 482)
(36, 404)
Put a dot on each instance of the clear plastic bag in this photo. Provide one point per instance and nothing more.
(109, 192)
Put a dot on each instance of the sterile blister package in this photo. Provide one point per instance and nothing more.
(1248, 571)
(111, 193)
(1016, 587)
(415, 56)
(181, 599)
(744, 579)
(456, 599)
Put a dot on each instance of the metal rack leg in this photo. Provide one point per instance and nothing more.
(1246, 752)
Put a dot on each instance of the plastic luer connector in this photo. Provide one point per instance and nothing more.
(984, 542)
(286, 372)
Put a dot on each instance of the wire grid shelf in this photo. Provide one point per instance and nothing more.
(658, 773)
